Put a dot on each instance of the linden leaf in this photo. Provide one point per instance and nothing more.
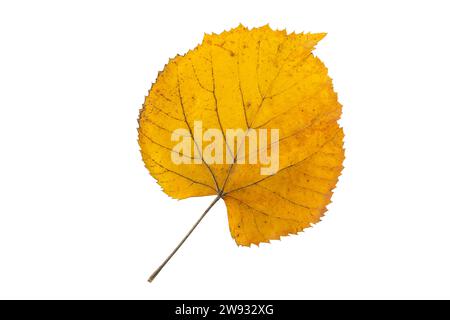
(273, 99)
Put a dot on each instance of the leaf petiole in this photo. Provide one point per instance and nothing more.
(158, 270)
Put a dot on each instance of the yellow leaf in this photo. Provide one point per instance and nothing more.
(258, 81)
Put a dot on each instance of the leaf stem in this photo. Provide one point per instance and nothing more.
(158, 270)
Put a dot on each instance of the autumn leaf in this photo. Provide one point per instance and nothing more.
(253, 80)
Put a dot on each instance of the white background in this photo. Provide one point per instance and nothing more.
(80, 217)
